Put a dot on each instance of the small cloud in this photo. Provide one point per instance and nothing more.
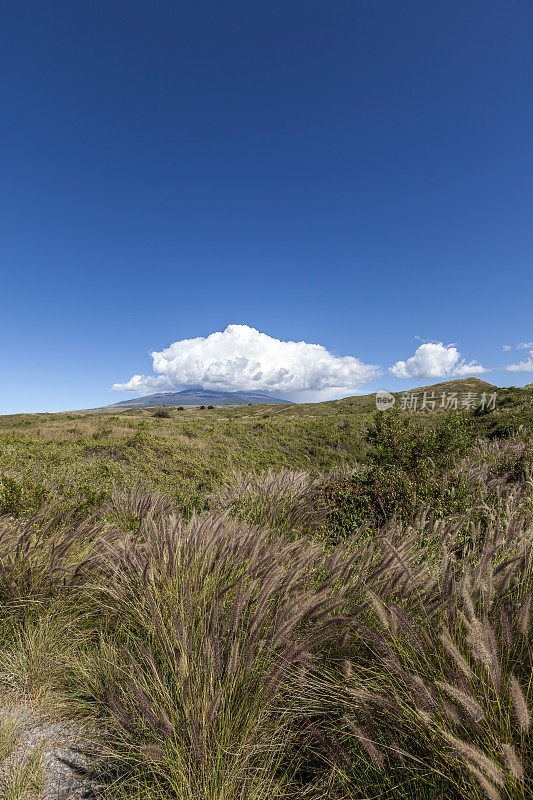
(521, 346)
(435, 360)
(522, 366)
(241, 358)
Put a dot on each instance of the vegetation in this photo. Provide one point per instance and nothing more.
(162, 413)
(408, 467)
(303, 602)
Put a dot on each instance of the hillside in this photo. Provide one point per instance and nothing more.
(458, 385)
(470, 384)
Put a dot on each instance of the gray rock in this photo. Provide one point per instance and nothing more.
(56, 754)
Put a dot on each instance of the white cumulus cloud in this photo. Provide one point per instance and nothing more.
(435, 360)
(522, 366)
(241, 358)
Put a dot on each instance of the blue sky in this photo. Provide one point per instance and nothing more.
(352, 174)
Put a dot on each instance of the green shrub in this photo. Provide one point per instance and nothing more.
(398, 441)
(161, 413)
(18, 496)
(389, 492)
(409, 470)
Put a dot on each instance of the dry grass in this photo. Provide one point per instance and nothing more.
(21, 774)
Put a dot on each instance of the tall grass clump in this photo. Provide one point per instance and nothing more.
(217, 616)
(285, 500)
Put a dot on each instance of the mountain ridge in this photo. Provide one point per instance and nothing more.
(194, 396)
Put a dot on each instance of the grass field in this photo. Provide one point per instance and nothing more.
(190, 452)
(309, 601)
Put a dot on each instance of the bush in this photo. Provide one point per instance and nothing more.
(398, 441)
(409, 470)
(18, 496)
(389, 492)
(161, 413)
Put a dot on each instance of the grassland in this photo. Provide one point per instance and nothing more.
(189, 453)
(293, 602)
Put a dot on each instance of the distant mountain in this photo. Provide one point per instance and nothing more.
(194, 397)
